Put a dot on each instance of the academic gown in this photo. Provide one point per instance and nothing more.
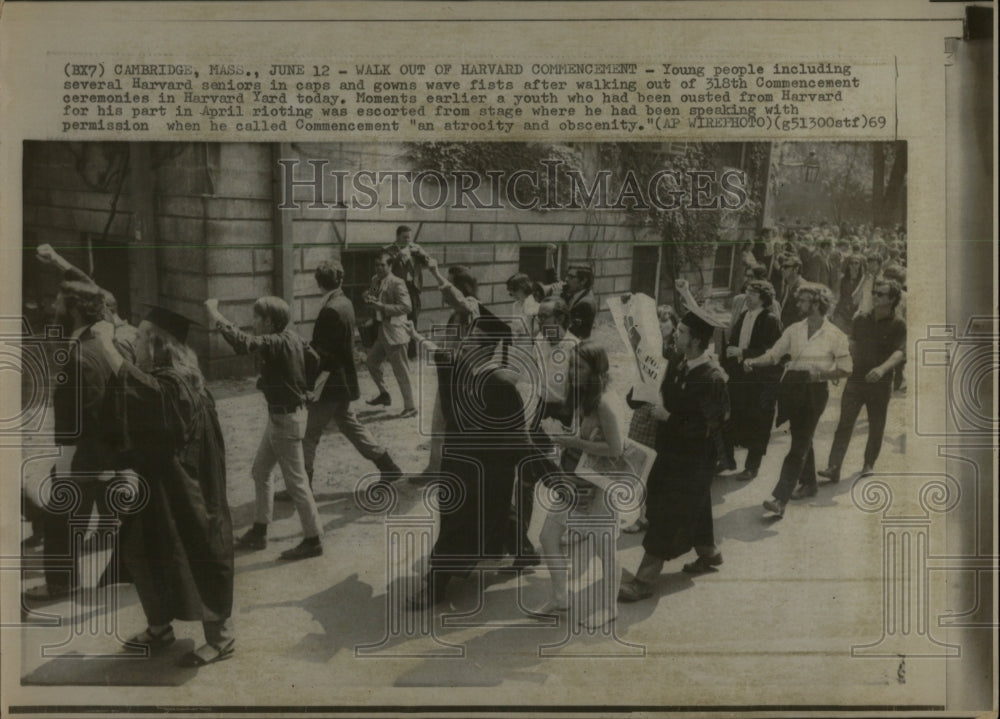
(679, 498)
(179, 547)
(486, 441)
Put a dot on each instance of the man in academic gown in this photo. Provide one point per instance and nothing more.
(179, 549)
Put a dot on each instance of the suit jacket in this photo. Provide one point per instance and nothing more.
(766, 331)
(333, 339)
(789, 308)
(582, 313)
(394, 294)
(818, 268)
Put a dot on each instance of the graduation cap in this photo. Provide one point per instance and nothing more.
(173, 322)
(701, 323)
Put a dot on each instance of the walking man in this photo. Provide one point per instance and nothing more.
(283, 380)
(819, 352)
(390, 299)
(878, 345)
(337, 384)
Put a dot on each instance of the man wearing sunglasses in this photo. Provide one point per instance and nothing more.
(791, 280)
(878, 345)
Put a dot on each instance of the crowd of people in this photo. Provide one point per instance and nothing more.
(521, 400)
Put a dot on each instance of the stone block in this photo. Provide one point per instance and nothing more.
(239, 232)
(311, 257)
(179, 286)
(497, 235)
(468, 254)
(240, 287)
(230, 261)
(540, 234)
(263, 260)
(181, 258)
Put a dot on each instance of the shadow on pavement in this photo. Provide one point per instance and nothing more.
(81, 670)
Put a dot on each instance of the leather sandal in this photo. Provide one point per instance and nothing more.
(154, 642)
(208, 653)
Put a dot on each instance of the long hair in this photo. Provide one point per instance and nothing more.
(170, 352)
(596, 358)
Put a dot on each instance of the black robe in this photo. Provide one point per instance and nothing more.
(679, 498)
(179, 547)
(486, 441)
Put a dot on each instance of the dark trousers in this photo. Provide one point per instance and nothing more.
(874, 397)
(413, 316)
(319, 417)
(804, 403)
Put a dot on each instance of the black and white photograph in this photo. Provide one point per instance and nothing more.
(498, 359)
(214, 323)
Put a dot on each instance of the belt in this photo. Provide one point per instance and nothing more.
(283, 408)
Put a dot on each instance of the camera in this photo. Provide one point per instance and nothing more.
(43, 362)
(954, 391)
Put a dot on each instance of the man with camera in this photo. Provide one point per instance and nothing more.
(407, 260)
(390, 299)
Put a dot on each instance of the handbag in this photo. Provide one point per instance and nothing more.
(642, 428)
(631, 467)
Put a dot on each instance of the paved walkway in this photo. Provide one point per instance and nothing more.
(774, 627)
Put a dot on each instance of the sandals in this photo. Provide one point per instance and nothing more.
(208, 653)
(154, 642)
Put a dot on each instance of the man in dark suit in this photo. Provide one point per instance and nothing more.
(752, 396)
(337, 384)
(390, 299)
(791, 280)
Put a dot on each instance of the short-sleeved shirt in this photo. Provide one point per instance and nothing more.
(826, 350)
(874, 341)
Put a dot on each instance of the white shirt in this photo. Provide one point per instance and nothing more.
(554, 364)
(526, 311)
(826, 350)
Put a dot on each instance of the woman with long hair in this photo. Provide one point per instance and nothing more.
(599, 432)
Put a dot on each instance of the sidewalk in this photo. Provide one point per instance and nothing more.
(774, 627)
